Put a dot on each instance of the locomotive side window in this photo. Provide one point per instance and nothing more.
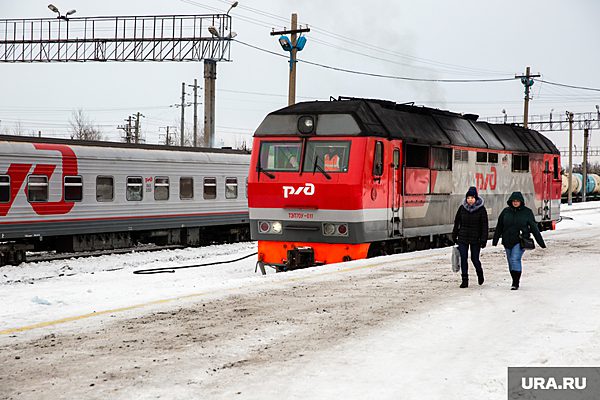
(482, 157)
(161, 188)
(105, 189)
(210, 188)
(73, 188)
(280, 156)
(493, 158)
(556, 171)
(231, 188)
(329, 156)
(520, 163)
(37, 188)
(186, 188)
(441, 158)
(417, 156)
(135, 188)
(461, 155)
(378, 159)
(4, 188)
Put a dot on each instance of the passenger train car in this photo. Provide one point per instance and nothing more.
(73, 196)
(353, 178)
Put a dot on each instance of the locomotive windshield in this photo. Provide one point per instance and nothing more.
(280, 156)
(330, 156)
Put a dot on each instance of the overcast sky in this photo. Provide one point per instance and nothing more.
(438, 39)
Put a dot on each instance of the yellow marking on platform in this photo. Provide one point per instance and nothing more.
(164, 301)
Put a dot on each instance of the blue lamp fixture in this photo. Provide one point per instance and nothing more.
(286, 45)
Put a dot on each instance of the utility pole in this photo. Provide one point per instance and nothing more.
(168, 134)
(586, 135)
(195, 86)
(293, 46)
(210, 78)
(527, 81)
(570, 188)
(136, 134)
(182, 114)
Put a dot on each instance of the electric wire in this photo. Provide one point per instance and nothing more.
(171, 270)
(378, 75)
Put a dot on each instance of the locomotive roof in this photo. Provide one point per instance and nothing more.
(94, 143)
(419, 125)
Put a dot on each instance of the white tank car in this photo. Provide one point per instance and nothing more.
(74, 196)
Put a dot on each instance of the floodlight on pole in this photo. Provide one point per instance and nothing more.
(71, 12)
(213, 31)
(53, 8)
(235, 4)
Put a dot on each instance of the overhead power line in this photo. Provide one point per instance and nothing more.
(406, 78)
(569, 86)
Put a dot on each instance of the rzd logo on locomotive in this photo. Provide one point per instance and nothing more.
(18, 174)
(308, 189)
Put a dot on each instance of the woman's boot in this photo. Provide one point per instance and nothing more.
(465, 282)
(480, 278)
(516, 280)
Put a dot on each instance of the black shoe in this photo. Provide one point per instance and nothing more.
(465, 282)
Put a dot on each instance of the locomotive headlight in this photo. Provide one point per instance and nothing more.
(328, 229)
(343, 229)
(276, 227)
(306, 124)
(264, 227)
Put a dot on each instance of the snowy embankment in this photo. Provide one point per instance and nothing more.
(386, 328)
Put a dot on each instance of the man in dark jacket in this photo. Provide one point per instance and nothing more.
(470, 230)
(515, 222)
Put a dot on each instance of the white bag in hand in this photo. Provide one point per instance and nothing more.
(455, 259)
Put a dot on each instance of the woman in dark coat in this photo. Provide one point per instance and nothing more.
(470, 231)
(514, 222)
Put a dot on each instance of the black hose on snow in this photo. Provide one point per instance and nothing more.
(172, 269)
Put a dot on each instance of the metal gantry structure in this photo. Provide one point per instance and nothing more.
(115, 38)
(571, 121)
(157, 38)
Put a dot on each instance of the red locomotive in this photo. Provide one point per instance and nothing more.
(354, 178)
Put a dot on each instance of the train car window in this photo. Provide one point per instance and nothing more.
(73, 188)
(330, 156)
(105, 189)
(416, 156)
(520, 163)
(161, 188)
(37, 188)
(231, 188)
(280, 156)
(441, 158)
(556, 171)
(186, 188)
(210, 188)
(4, 188)
(396, 160)
(482, 157)
(461, 155)
(135, 188)
(378, 159)
(493, 158)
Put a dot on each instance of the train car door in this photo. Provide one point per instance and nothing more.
(546, 191)
(396, 217)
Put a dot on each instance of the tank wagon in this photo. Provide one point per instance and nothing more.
(70, 195)
(354, 178)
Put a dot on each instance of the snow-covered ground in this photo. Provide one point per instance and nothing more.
(385, 328)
